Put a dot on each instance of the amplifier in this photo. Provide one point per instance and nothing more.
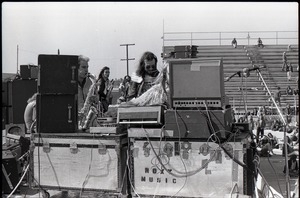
(217, 103)
(185, 54)
(198, 123)
(185, 48)
(29, 71)
(140, 115)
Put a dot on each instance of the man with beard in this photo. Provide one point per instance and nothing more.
(144, 77)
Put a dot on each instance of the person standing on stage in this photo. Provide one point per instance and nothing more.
(104, 89)
(144, 77)
(84, 82)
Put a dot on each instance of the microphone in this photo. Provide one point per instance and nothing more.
(229, 77)
(245, 72)
(255, 67)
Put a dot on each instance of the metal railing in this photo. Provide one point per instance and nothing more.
(225, 38)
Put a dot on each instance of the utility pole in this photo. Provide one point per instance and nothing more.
(127, 59)
(17, 59)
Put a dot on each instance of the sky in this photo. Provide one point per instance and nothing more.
(98, 29)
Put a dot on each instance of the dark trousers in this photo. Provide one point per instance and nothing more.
(259, 131)
(284, 66)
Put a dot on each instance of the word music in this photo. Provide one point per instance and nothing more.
(154, 178)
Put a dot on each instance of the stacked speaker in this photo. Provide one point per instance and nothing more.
(185, 51)
(15, 93)
(57, 93)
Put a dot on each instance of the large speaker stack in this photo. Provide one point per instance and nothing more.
(57, 93)
(15, 93)
(185, 51)
(180, 51)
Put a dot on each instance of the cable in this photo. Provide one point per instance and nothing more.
(235, 160)
(186, 174)
(262, 176)
(21, 179)
(129, 174)
(88, 174)
(24, 155)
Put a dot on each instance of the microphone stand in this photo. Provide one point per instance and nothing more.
(287, 176)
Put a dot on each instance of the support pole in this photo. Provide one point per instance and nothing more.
(17, 59)
(127, 59)
(287, 176)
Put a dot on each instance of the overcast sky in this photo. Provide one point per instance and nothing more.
(97, 29)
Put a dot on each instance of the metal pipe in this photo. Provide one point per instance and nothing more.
(287, 176)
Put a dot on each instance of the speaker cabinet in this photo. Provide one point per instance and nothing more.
(58, 74)
(56, 113)
(29, 71)
(19, 91)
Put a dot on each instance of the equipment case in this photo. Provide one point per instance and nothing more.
(188, 168)
(81, 161)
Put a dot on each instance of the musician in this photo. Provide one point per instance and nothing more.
(144, 76)
(104, 89)
(84, 82)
